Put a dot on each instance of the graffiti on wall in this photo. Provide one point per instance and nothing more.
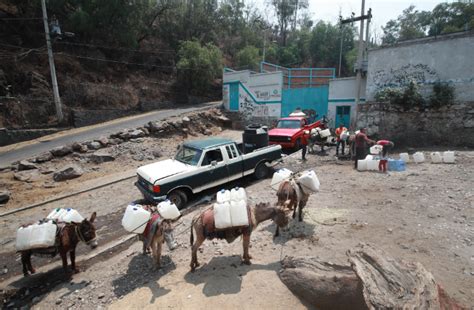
(396, 77)
(250, 109)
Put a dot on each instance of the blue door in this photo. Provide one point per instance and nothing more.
(234, 96)
(343, 116)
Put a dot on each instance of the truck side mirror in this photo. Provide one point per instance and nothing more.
(214, 163)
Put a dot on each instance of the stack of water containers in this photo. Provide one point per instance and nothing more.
(65, 215)
(135, 219)
(280, 176)
(309, 182)
(230, 210)
(36, 236)
(168, 210)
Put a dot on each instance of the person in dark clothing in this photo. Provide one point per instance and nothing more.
(304, 144)
(361, 145)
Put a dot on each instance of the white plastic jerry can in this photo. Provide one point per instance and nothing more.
(362, 165)
(238, 213)
(222, 217)
(405, 157)
(168, 210)
(280, 176)
(418, 157)
(223, 196)
(436, 157)
(72, 216)
(448, 157)
(43, 235)
(135, 219)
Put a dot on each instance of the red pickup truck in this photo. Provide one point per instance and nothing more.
(289, 130)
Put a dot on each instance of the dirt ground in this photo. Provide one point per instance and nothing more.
(424, 214)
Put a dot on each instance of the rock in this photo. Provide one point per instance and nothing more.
(61, 150)
(94, 145)
(186, 119)
(137, 133)
(27, 176)
(124, 135)
(46, 170)
(103, 141)
(156, 153)
(207, 132)
(79, 147)
(26, 165)
(101, 295)
(138, 157)
(58, 301)
(4, 195)
(67, 173)
(114, 141)
(101, 157)
(49, 185)
(44, 157)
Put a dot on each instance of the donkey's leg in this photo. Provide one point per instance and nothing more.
(24, 262)
(246, 243)
(72, 254)
(64, 259)
(30, 267)
(277, 231)
(199, 240)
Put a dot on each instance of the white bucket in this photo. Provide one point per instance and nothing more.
(325, 133)
(376, 149)
(135, 219)
(36, 236)
(309, 182)
(405, 157)
(280, 176)
(436, 157)
(237, 194)
(223, 196)
(222, 217)
(362, 165)
(418, 157)
(168, 210)
(238, 213)
(448, 157)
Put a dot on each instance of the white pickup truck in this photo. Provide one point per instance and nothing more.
(200, 165)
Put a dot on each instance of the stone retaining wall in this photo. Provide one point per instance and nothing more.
(448, 126)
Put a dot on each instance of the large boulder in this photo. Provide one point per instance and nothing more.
(27, 176)
(137, 133)
(4, 195)
(61, 150)
(44, 157)
(67, 173)
(26, 165)
(101, 157)
(79, 147)
(104, 141)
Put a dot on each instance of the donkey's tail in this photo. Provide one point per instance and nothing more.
(191, 239)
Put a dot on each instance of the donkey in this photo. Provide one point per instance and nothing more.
(67, 239)
(291, 196)
(204, 226)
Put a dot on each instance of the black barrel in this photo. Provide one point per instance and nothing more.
(254, 137)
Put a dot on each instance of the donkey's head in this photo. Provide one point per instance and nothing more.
(86, 231)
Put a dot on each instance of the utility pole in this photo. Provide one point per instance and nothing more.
(57, 99)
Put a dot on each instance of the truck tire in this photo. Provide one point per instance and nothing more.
(261, 171)
(179, 198)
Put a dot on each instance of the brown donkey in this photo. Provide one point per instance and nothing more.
(291, 196)
(204, 226)
(67, 239)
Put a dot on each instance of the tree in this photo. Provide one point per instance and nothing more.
(286, 12)
(198, 65)
(248, 58)
(411, 24)
(451, 17)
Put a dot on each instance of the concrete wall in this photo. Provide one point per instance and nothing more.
(449, 126)
(342, 92)
(448, 58)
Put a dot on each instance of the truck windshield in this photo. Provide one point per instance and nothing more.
(292, 124)
(188, 155)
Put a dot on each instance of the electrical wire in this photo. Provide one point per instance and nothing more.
(162, 51)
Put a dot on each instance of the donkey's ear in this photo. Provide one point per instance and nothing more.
(93, 217)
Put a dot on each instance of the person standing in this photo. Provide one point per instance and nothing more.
(339, 141)
(386, 146)
(361, 145)
(304, 144)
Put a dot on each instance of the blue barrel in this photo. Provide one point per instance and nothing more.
(396, 165)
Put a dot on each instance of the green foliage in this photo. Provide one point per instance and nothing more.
(443, 95)
(407, 97)
(198, 65)
(248, 58)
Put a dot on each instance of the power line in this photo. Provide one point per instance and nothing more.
(162, 51)
(21, 18)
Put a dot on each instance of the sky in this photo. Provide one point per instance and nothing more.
(382, 10)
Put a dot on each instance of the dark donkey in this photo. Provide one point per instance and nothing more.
(292, 197)
(203, 224)
(67, 239)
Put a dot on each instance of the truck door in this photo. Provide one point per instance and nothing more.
(234, 162)
(215, 168)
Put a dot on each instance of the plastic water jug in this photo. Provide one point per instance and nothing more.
(222, 217)
(376, 149)
(396, 165)
(369, 157)
(168, 210)
(135, 219)
(436, 157)
(325, 133)
(418, 157)
(71, 216)
(238, 213)
(309, 182)
(57, 214)
(237, 194)
(344, 135)
(448, 157)
(362, 165)
(279, 176)
(373, 165)
(223, 196)
(36, 236)
(405, 157)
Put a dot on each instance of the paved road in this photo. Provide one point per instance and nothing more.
(93, 132)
